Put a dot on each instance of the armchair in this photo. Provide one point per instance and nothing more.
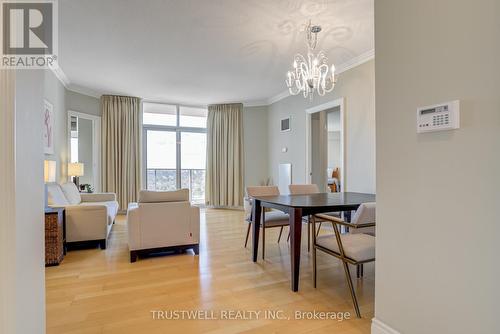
(162, 221)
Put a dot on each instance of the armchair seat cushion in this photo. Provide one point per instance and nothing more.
(359, 247)
(276, 218)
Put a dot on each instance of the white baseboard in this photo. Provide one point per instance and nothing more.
(378, 327)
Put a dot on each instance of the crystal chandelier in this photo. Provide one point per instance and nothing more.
(312, 73)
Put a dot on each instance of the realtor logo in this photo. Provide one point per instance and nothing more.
(29, 34)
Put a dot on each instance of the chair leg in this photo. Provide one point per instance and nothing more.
(314, 253)
(351, 288)
(358, 271)
(248, 233)
(361, 270)
(319, 228)
(263, 241)
(288, 239)
(309, 234)
(281, 231)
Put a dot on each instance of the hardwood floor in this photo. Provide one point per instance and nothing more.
(95, 291)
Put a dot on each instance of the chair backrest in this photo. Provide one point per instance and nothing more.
(263, 191)
(146, 196)
(303, 189)
(364, 214)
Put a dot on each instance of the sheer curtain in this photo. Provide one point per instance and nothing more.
(224, 180)
(121, 147)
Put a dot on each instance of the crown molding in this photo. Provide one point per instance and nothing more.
(356, 61)
(284, 94)
(84, 91)
(256, 103)
(61, 76)
(350, 64)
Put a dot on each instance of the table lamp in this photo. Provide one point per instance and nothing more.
(75, 170)
(49, 175)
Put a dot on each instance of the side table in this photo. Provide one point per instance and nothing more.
(55, 236)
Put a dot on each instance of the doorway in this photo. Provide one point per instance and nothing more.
(325, 150)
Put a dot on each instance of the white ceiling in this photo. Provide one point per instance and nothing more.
(201, 51)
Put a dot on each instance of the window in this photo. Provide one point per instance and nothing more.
(159, 114)
(175, 148)
(193, 117)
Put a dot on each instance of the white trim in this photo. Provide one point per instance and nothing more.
(379, 327)
(278, 97)
(96, 144)
(356, 61)
(61, 76)
(325, 106)
(256, 103)
(83, 90)
(350, 64)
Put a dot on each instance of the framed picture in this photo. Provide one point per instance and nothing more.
(48, 127)
(285, 124)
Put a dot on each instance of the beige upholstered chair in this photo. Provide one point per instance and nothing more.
(162, 221)
(269, 219)
(350, 248)
(305, 189)
(89, 217)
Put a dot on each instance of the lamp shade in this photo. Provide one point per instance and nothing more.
(49, 171)
(75, 169)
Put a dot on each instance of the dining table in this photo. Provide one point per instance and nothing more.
(297, 207)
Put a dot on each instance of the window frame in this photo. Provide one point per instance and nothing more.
(178, 130)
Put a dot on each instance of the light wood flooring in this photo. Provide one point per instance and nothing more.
(95, 291)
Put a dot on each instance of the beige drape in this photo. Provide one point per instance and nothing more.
(224, 180)
(121, 148)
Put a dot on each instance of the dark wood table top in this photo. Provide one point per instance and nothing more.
(341, 199)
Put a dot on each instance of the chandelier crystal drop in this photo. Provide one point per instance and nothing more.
(311, 73)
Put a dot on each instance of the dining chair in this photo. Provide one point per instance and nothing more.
(270, 218)
(306, 189)
(351, 248)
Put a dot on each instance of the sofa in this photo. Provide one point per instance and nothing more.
(162, 221)
(89, 217)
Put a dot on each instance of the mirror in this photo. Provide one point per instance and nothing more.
(83, 148)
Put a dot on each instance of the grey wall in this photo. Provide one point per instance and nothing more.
(255, 145)
(64, 100)
(55, 93)
(438, 193)
(358, 87)
(82, 103)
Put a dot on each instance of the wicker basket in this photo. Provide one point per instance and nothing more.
(54, 245)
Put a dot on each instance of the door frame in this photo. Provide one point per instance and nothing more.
(96, 144)
(340, 102)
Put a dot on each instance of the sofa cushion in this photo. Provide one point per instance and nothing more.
(146, 196)
(55, 195)
(111, 208)
(71, 192)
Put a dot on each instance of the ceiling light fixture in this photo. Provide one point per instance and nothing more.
(312, 73)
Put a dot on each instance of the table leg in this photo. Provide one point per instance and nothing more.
(295, 238)
(256, 215)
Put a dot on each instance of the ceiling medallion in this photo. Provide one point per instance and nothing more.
(311, 73)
